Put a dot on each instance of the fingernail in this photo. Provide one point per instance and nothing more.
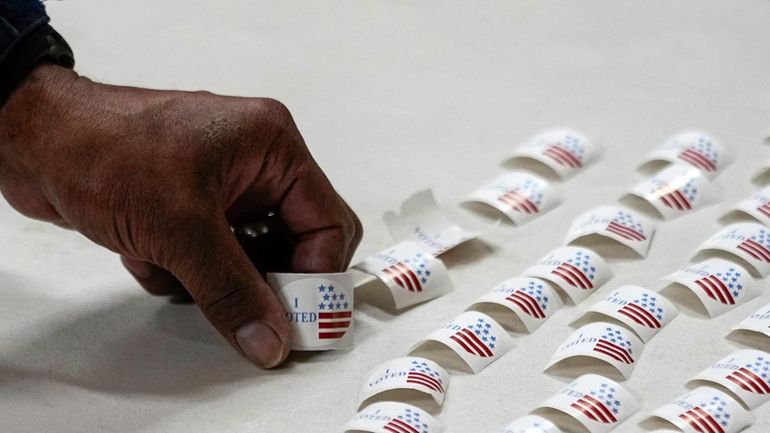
(260, 343)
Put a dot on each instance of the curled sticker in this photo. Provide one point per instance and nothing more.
(706, 410)
(597, 403)
(602, 341)
(642, 310)
(475, 337)
(393, 417)
(694, 148)
(532, 300)
(422, 221)
(746, 373)
(411, 274)
(757, 323)
(520, 196)
(720, 285)
(748, 241)
(677, 190)
(577, 271)
(564, 151)
(757, 206)
(530, 424)
(319, 308)
(617, 223)
(410, 373)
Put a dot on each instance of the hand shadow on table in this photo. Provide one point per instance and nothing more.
(137, 344)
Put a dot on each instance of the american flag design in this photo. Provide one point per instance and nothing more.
(531, 299)
(753, 377)
(678, 197)
(644, 310)
(569, 151)
(334, 313)
(702, 154)
(476, 338)
(708, 417)
(577, 271)
(600, 405)
(763, 202)
(525, 197)
(724, 287)
(420, 373)
(626, 226)
(409, 421)
(411, 274)
(614, 344)
(757, 246)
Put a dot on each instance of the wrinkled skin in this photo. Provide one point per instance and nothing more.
(160, 177)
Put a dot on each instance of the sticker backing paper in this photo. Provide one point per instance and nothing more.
(613, 344)
(598, 403)
(521, 196)
(749, 241)
(411, 274)
(393, 417)
(675, 191)
(565, 151)
(419, 374)
(577, 271)
(532, 300)
(746, 373)
(319, 308)
(617, 223)
(720, 285)
(696, 149)
(706, 410)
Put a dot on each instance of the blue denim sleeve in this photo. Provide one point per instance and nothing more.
(17, 19)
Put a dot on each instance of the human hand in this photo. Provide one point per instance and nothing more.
(160, 177)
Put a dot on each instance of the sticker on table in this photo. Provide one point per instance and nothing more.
(393, 417)
(520, 196)
(530, 424)
(696, 149)
(532, 300)
(425, 223)
(757, 323)
(617, 223)
(706, 410)
(597, 403)
(720, 285)
(411, 274)
(475, 337)
(644, 311)
(577, 271)
(746, 373)
(749, 241)
(676, 191)
(604, 342)
(410, 373)
(319, 308)
(564, 151)
(757, 206)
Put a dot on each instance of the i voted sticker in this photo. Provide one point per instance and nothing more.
(393, 417)
(706, 410)
(423, 222)
(749, 241)
(644, 311)
(565, 151)
(617, 223)
(676, 191)
(412, 373)
(475, 337)
(696, 149)
(602, 341)
(746, 373)
(411, 274)
(532, 300)
(720, 285)
(530, 424)
(319, 308)
(577, 271)
(597, 403)
(520, 196)
(757, 206)
(758, 321)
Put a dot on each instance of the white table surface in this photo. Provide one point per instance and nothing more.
(392, 97)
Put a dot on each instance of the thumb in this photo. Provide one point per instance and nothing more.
(210, 263)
